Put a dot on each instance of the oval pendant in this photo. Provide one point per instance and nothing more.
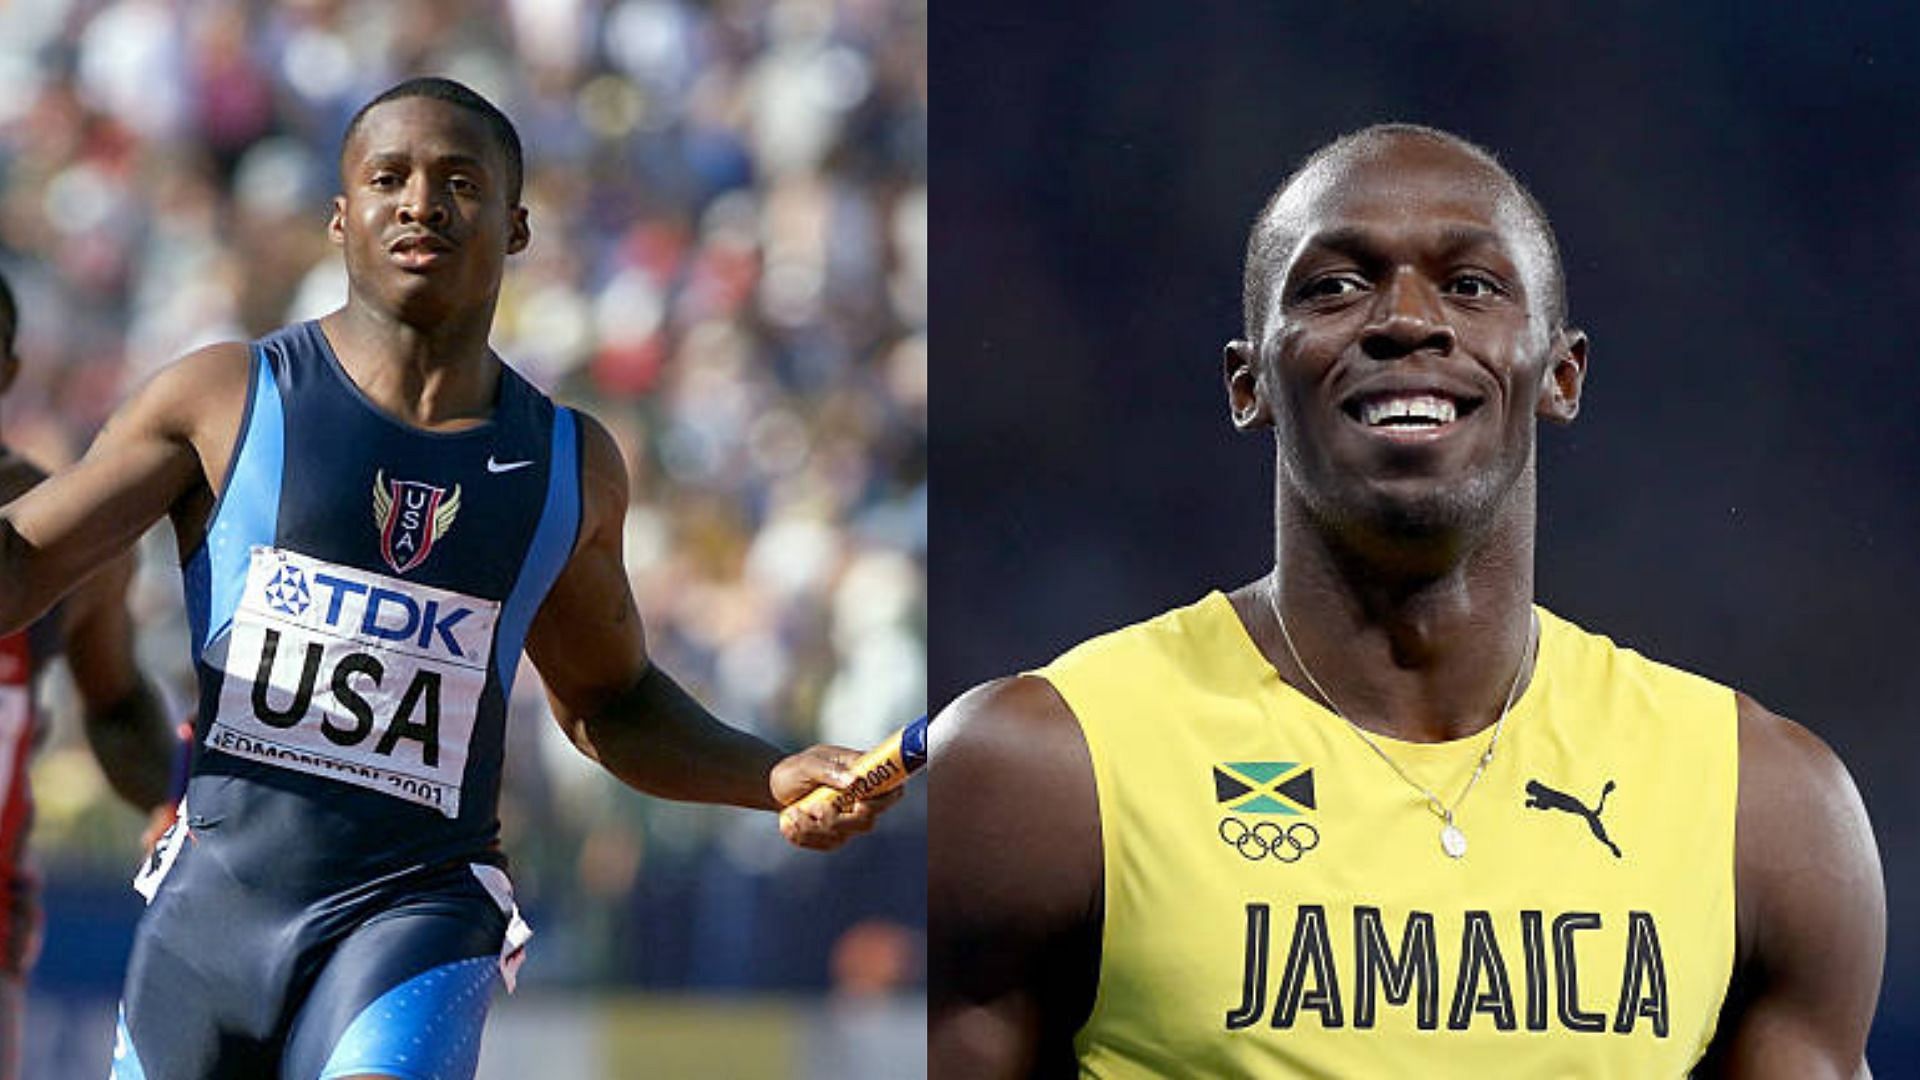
(1453, 841)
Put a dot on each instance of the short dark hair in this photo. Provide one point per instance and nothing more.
(1263, 242)
(462, 96)
(10, 312)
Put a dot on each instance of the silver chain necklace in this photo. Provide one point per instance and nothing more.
(1452, 840)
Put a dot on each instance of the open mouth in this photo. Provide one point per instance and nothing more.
(1409, 412)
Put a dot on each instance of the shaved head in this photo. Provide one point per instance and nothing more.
(461, 96)
(1275, 231)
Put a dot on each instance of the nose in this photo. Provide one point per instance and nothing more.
(422, 203)
(1407, 318)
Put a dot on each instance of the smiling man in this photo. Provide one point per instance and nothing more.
(1376, 813)
(378, 514)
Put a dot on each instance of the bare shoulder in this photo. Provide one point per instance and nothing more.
(1792, 784)
(1014, 883)
(199, 404)
(1812, 910)
(221, 362)
(207, 385)
(196, 403)
(598, 449)
(160, 454)
(1018, 723)
(603, 477)
(1013, 791)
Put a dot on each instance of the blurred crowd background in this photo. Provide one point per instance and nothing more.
(728, 267)
(1738, 200)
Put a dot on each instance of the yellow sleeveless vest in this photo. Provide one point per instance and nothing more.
(1278, 903)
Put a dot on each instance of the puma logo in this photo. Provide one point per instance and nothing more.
(1542, 797)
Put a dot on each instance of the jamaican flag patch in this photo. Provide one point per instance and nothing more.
(1264, 787)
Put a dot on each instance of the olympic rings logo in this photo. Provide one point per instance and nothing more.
(1286, 843)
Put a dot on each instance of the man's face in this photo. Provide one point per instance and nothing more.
(1406, 351)
(423, 220)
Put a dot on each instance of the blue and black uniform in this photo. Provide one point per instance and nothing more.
(334, 901)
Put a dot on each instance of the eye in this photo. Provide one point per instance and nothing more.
(463, 185)
(1330, 287)
(1474, 286)
(384, 180)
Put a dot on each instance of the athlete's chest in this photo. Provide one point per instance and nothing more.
(367, 585)
(454, 512)
(1281, 889)
(1331, 902)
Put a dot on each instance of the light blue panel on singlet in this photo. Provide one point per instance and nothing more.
(552, 546)
(247, 514)
(427, 1028)
(126, 1063)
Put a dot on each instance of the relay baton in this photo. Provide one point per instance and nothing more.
(881, 769)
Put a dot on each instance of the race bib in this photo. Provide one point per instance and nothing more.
(355, 676)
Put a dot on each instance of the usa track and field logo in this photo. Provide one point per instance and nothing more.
(1275, 798)
(411, 517)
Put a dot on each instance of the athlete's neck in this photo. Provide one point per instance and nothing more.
(444, 376)
(1418, 652)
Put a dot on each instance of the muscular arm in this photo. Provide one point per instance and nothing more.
(1013, 886)
(1812, 912)
(126, 722)
(151, 459)
(589, 646)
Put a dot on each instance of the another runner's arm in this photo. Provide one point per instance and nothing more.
(147, 462)
(1013, 885)
(625, 713)
(126, 721)
(1812, 912)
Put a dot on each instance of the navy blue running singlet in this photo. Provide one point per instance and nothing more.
(334, 900)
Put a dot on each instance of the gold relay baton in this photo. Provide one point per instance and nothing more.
(881, 769)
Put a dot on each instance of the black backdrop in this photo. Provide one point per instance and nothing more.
(1739, 202)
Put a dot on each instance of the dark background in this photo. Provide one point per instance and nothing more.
(1739, 203)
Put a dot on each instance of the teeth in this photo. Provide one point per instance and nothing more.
(1421, 409)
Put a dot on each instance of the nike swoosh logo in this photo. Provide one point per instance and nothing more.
(505, 466)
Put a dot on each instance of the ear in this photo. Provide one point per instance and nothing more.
(337, 221)
(9, 368)
(1565, 373)
(1246, 404)
(519, 231)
